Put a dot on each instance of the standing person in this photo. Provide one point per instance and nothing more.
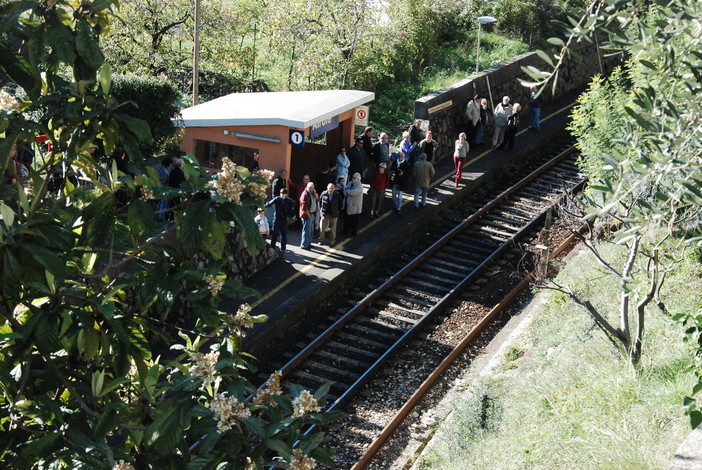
(177, 175)
(535, 109)
(460, 153)
(485, 119)
(381, 151)
(26, 154)
(253, 166)
(354, 203)
(120, 157)
(502, 110)
(309, 201)
(283, 206)
(357, 156)
(342, 165)
(428, 146)
(378, 182)
(262, 222)
(512, 127)
(368, 146)
(164, 169)
(422, 173)
(407, 147)
(400, 173)
(416, 133)
(279, 183)
(473, 115)
(330, 205)
(323, 179)
(296, 189)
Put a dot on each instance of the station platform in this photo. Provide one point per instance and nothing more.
(300, 279)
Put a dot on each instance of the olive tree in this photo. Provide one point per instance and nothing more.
(114, 353)
(639, 134)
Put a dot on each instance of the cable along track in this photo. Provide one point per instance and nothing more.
(348, 352)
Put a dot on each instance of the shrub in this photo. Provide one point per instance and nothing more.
(152, 99)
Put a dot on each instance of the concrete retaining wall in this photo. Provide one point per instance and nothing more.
(445, 109)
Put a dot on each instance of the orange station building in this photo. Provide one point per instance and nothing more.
(299, 131)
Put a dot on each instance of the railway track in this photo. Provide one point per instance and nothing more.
(359, 343)
(348, 352)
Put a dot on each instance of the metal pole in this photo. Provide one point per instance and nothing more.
(477, 55)
(196, 55)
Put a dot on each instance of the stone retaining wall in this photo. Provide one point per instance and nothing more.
(445, 109)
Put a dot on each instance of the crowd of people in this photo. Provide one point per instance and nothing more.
(337, 192)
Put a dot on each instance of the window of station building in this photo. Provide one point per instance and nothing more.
(210, 154)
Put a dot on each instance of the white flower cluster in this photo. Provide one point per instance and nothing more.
(259, 190)
(227, 183)
(147, 194)
(264, 396)
(227, 411)
(204, 366)
(243, 318)
(215, 284)
(304, 403)
(122, 465)
(9, 102)
(301, 462)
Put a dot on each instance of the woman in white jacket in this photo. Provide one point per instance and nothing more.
(354, 204)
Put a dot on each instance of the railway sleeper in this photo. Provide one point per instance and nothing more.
(501, 227)
(330, 371)
(394, 316)
(410, 299)
(515, 207)
(447, 283)
(374, 333)
(492, 234)
(350, 337)
(383, 324)
(446, 272)
(451, 264)
(514, 221)
(402, 308)
(343, 349)
(338, 357)
(478, 241)
(456, 251)
(313, 382)
(443, 290)
(415, 292)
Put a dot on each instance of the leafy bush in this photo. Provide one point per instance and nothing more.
(152, 99)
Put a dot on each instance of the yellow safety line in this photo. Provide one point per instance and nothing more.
(330, 250)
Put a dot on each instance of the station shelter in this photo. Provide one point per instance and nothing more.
(299, 131)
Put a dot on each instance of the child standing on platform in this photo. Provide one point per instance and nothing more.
(262, 222)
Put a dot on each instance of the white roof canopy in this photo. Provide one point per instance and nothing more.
(298, 109)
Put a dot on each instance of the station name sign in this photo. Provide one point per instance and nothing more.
(323, 127)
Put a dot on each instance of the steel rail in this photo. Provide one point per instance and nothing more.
(429, 382)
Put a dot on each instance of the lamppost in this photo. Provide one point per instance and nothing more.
(481, 21)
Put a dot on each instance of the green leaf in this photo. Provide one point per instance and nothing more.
(105, 423)
(193, 225)
(216, 238)
(281, 447)
(695, 419)
(105, 78)
(62, 42)
(20, 71)
(164, 433)
(556, 42)
(38, 447)
(138, 127)
(87, 45)
(545, 57)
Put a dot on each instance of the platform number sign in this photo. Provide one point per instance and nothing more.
(362, 116)
(297, 138)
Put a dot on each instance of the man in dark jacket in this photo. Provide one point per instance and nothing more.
(283, 206)
(330, 202)
(358, 157)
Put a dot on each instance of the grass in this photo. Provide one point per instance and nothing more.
(566, 399)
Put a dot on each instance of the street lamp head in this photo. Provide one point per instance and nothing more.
(486, 19)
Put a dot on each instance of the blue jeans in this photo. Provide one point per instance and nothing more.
(397, 196)
(307, 227)
(424, 192)
(536, 118)
(479, 134)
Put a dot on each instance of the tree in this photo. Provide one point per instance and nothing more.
(639, 134)
(113, 351)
